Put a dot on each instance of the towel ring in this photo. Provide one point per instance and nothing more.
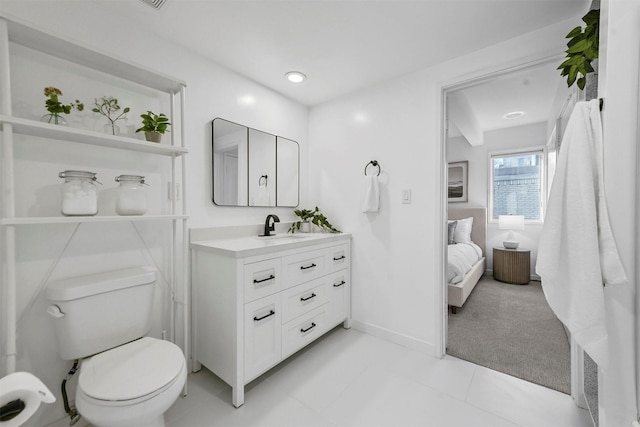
(260, 180)
(374, 163)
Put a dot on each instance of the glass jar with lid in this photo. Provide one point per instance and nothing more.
(132, 195)
(79, 193)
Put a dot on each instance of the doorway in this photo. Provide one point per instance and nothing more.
(512, 112)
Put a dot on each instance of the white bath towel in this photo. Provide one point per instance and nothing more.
(371, 202)
(577, 253)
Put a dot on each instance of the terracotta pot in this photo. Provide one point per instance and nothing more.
(153, 136)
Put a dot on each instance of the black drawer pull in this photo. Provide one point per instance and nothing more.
(257, 319)
(302, 267)
(271, 277)
(339, 258)
(303, 330)
(308, 298)
(337, 285)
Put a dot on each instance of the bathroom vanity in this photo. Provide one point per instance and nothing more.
(258, 300)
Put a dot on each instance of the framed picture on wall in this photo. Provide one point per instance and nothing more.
(457, 184)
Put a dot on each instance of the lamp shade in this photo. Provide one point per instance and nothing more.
(511, 222)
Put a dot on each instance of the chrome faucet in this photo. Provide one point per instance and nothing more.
(270, 224)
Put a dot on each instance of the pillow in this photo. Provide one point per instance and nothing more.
(452, 229)
(462, 232)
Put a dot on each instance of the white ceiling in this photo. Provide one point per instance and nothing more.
(342, 46)
(535, 91)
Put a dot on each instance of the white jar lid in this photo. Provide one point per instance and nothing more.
(131, 178)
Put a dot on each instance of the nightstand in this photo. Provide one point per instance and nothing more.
(512, 265)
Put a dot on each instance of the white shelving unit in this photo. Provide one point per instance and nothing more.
(21, 34)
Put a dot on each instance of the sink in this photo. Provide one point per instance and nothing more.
(283, 236)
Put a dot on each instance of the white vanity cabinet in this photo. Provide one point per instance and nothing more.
(256, 304)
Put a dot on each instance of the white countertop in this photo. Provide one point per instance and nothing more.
(254, 245)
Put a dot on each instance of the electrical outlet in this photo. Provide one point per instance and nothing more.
(174, 191)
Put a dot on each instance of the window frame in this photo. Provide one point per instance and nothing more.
(539, 149)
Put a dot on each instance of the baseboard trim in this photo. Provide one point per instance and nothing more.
(394, 337)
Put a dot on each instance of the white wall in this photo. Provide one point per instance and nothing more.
(513, 138)
(212, 91)
(618, 85)
(396, 252)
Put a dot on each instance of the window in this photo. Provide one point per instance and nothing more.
(516, 184)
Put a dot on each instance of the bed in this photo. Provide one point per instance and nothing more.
(466, 260)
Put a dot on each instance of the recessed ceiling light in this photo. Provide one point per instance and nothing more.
(295, 76)
(513, 115)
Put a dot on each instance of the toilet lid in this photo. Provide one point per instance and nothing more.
(132, 370)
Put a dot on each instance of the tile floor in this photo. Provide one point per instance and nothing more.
(348, 378)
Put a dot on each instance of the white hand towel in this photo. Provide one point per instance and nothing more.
(577, 252)
(371, 202)
(264, 198)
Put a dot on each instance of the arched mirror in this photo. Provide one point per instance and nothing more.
(252, 167)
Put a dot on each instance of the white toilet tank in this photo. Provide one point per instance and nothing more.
(97, 312)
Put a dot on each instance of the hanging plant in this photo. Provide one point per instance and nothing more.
(582, 49)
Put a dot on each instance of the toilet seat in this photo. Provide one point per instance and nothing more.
(133, 372)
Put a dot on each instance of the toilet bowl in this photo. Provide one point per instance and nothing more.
(131, 385)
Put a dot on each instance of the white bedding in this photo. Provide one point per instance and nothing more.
(462, 257)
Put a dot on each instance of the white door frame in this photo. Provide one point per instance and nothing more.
(441, 309)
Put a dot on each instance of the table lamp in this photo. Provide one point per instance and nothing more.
(510, 222)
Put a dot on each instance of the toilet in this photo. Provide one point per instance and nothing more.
(126, 378)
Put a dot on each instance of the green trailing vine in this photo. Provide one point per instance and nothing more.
(582, 49)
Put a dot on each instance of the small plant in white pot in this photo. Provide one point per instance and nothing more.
(154, 126)
(308, 217)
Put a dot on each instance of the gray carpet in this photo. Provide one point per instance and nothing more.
(511, 329)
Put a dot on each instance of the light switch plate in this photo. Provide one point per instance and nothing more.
(406, 196)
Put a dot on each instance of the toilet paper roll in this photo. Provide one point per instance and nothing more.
(27, 388)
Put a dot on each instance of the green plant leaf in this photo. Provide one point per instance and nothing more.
(573, 73)
(588, 68)
(591, 54)
(574, 60)
(592, 17)
(577, 30)
(576, 39)
(580, 46)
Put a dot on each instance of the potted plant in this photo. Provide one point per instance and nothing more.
(55, 107)
(108, 106)
(308, 217)
(154, 126)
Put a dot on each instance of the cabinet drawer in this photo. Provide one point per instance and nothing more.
(262, 279)
(338, 309)
(303, 298)
(338, 257)
(301, 331)
(262, 335)
(303, 267)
